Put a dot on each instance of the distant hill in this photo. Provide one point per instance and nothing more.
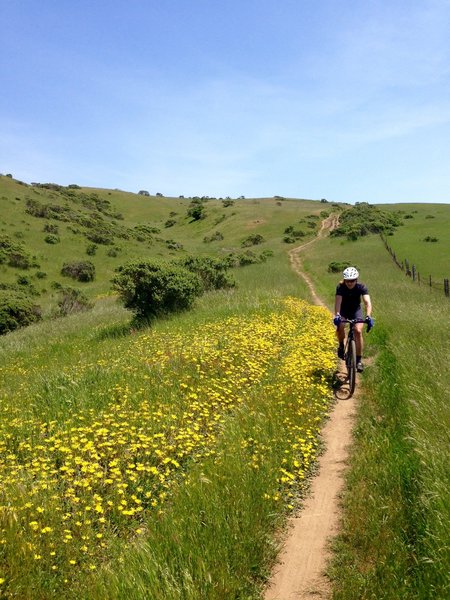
(44, 226)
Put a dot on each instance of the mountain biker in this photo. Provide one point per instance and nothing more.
(348, 306)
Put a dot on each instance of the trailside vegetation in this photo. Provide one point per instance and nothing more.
(16, 310)
(151, 288)
(363, 219)
(159, 464)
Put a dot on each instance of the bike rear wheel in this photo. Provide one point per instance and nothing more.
(351, 367)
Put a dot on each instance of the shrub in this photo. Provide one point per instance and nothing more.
(91, 249)
(337, 267)
(71, 301)
(252, 240)
(14, 254)
(21, 260)
(227, 202)
(173, 245)
(170, 223)
(81, 271)
(292, 235)
(150, 288)
(430, 239)
(212, 271)
(50, 228)
(41, 275)
(215, 237)
(363, 219)
(248, 258)
(100, 236)
(16, 310)
(52, 239)
(196, 212)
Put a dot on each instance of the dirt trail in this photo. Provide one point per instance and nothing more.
(299, 573)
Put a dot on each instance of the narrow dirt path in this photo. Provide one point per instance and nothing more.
(300, 571)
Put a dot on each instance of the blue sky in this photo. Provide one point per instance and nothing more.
(340, 99)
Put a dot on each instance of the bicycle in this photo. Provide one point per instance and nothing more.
(350, 353)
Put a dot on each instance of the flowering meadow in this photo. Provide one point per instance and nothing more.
(98, 447)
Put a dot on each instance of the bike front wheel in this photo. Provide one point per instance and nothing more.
(351, 367)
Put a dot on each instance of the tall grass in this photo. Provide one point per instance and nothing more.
(394, 541)
(157, 463)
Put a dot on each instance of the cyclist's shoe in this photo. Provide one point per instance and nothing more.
(340, 352)
(360, 367)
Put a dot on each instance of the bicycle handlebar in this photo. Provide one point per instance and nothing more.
(354, 321)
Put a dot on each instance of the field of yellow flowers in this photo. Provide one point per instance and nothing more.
(96, 447)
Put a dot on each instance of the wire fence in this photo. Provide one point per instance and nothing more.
(410, 271)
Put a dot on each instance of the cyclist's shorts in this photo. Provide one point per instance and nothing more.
(358, 314)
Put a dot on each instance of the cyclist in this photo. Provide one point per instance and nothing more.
(348, 306)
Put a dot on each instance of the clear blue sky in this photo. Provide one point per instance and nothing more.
(347, 100)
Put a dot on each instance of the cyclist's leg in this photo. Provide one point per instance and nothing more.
(359, 339)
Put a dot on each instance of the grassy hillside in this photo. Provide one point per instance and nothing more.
(394, 542)
(424, 240)
(119, 226)
(161, 462)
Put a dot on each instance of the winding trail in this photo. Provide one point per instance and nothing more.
(300, 571)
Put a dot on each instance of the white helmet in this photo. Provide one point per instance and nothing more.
(350, 273)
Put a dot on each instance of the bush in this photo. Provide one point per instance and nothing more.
(215, 237)
(337, 267)
(50, 228)
(21, 260)
(430, 239)
(292, 235)
(252, 240)
(212, 271)
(173, 245)
(72, 301)
(150, 288)
(363, 219)
(196, 212)
(14, 254)
(52, 239)
(99, 236)
(91, 249)
(170, 223)
(81, 271)
(16, 310)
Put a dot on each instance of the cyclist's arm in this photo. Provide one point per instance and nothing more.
(337, 305)
(367, 304)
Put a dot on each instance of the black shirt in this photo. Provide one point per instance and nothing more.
(351, 298)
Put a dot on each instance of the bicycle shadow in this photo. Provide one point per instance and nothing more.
(340, 385)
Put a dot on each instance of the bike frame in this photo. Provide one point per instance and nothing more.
(350, 353)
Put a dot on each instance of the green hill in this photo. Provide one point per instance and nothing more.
(162, 462)
(48, 225)
(424, 240)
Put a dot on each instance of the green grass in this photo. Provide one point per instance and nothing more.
(394, 541)
(267, 217)
(216, 538)
(408, 242)
(210, 533)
